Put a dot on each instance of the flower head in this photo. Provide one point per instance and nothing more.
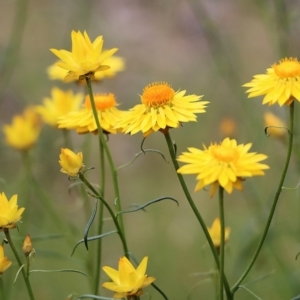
(27, 248)
(83, 120)
(161, 108)
(215, 233)
(24, 130)
(281, 84)
(224, 164)
(275, 126)
(116, 64)
(86, 57)
(70, 162)
(128, 281)
(60, 103)
(10, 213)
(4, 262)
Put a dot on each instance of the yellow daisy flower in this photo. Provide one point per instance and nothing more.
(116, 64)
(224, 164)
(60, 103)
(162, 108)
(280, 85)
(24, 130)
(86, 57)
(128, 281)
(276, 127)
(10, 214)
(83, 120)
(215, 233)
(70, 162)
(4, 262)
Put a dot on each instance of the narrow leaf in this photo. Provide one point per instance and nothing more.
(92, 238)
(89, 224)
(60, 271)
(139, 207)
(18, 274)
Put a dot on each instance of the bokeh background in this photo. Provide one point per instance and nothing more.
(208, 48)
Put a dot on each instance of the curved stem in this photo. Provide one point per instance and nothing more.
(275, 201)
(108, 154)
(222, 252)
(195, 210)
(100, 222)
(26, 278)
(114, 218)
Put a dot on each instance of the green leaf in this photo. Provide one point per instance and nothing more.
(89, 224)
(93, 297)
(60, 271)
(92, 238)
(141, 207)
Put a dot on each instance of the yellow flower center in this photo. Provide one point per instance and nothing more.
(102, 101)
(224, 154)
(287, 68)
(157, 94)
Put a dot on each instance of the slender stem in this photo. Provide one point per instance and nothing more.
(273, 207)
(26, 278)
(196, 212)
(222, 255)
(100, 222)
(108, 154)
(114, 218)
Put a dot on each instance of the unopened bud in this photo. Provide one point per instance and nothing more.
(27, 246)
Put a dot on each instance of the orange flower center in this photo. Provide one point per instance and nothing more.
(287, 68)
(102, 101)
(157, 94)
(224, 154)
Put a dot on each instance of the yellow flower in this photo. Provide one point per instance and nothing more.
(128, 281)
(9, 212)
(86, 57)
(70, 162)
(224, 164)
(162, 108)
(116, 64)
(83, 120)
(215, 233)
(4, 262)
(281, 84)
(58, 105)
(24, 130)
(276, 127)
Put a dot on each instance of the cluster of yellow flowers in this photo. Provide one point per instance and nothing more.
(224, 164)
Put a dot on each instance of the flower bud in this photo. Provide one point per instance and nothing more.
(27, 246)
(70, 162)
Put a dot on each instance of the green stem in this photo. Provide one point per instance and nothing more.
(275, 201)
(108, 155)
(114, 218)
(196, 212)
(100, 222)
(26, 278)
(222, 252)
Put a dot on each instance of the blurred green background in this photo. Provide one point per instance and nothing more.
(208, 48)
